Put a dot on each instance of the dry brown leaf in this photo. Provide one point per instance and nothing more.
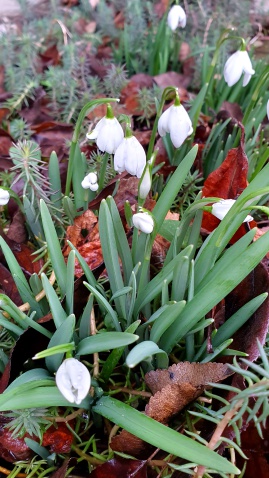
(197, 374)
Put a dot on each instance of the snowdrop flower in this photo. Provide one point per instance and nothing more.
(145, 183)
(235, 66)
(176, 17)
(90, 182)
(130, 156)
(4, 197)
(108, 132)
(267, 110)
(73, 380)
(220, 209)
(176, 121)
(144, 222)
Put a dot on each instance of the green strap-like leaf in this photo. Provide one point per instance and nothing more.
(161, 436)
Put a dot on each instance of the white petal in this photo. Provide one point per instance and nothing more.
(247, 65)
(119, 158)
(267, 109)
(176, 17)
(180, 125)
(110, 135)
(135, 159)
(73, 380)
(145, 184)
(163, 127)
(233, 69)
(4, 197)
(144, 222)
(220, 209)
(94, 133)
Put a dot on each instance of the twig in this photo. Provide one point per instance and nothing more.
(68, 418)
(218, 433)
(95, 355)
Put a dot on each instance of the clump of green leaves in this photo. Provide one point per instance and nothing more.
(28, 420)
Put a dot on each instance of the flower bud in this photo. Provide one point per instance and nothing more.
(144, 222)
(4, 197)
(221, 208)
(90, 182)
(145, 183)
(73, 380)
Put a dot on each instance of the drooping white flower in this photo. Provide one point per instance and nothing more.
(239, 63)
(108, 133)
(73, 380)
(130, 156)
(221, 208)
(90, 182)
(267, 109)
(176, 17)
(4, 197)
(145, 183)
(144, 222)
(176, 121)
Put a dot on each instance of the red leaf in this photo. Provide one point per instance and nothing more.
(227, 182)
(60, 439)
(121, 468)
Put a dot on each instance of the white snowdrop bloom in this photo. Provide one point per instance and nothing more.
(144, 222)
(145, 184)
(221, 208)
(4, 197)
(176, 17)
(108, 134)
(73, 380)
(176, 121)
(239, 63)
(90, 182)
(267, 109)
(130, 156)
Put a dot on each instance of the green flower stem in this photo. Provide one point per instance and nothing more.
(102, 174)
(90, 105)
(221, 40)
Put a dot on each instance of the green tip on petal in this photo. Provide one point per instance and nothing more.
(109, 112)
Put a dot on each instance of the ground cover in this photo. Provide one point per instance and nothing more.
(134, 241)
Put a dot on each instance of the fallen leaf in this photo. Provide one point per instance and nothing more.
(197, 374)
(8, 285)
(256, 326)
(227, 182)
(171, 78)
(59, 438)
(121, 468)
(172, 389)
(12, 449)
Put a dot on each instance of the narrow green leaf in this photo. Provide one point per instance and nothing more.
(15, 269)
(70, 283)
(113, 358)
(154, 287)
(55, 182)
(165, 319)
(161, 436)
(87, 271)
(32, 219)
(144, 351)
(63, 335)
(121, 240)
(110, 254)
(39, 397)
(58, 313)
(105, 341)
(171, 189)
(54, 247)
(215, 290)
(102, 301)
